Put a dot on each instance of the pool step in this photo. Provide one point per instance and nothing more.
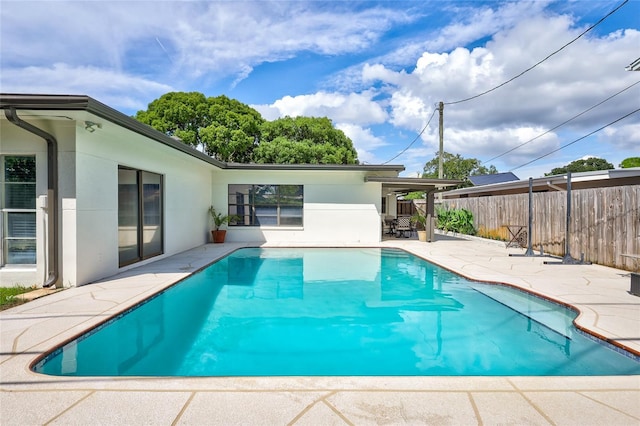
(541, 311)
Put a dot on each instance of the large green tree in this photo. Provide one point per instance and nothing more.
(304, 140)
(630, 162)
(234, 132)
(456, 167)
(226, 129)
(582, 165)
(178, 114)
(229, 130)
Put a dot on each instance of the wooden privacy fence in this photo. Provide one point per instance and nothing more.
(605, 222)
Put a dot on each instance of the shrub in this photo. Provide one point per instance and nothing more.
(455, 220)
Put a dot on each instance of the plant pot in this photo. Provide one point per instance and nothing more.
(635, 284)
(422, 236)
(218, 236)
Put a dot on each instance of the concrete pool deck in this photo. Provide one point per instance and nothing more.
(601, 293)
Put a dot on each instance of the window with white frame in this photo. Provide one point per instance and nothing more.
(18, 210)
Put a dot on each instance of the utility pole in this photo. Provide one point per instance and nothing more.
(441, 137)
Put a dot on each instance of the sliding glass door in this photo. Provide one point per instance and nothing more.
(140, 222)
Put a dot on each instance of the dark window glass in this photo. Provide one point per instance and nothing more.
(128, 244)
(152, 226)
(266, 205)
(140, 228)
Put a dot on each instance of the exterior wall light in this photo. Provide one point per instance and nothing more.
(90, 126)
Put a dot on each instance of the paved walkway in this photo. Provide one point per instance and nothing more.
(601, 294)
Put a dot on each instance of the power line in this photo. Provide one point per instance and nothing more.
(579, 139)
(563, 123)
(538, 63)
(414, 140)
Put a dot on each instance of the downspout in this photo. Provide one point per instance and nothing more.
(52, 191)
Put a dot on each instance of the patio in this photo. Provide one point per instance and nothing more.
(600, 293)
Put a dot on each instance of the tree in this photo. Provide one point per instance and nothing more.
(457, 167)
(630, 162)
(226, 129)
(234, 131)
(231, 131)
(178, 114)
(582, 165)
(304, 140)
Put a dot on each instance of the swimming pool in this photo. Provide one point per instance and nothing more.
(364, 311)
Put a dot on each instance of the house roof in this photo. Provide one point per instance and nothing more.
(583, 180)
(492, 178)
(35, 103)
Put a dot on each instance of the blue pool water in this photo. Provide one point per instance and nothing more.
(372, 311)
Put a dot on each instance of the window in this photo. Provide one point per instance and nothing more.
(18, 210)
(266, 205)
(140, 227)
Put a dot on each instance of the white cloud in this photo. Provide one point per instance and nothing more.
(354, 108)
(483, 142)
(561, 87)
(228, 38)
(625, 137)
(469, 22)
(117, 90)
(364, 141)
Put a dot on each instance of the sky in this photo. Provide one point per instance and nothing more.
(377, 69)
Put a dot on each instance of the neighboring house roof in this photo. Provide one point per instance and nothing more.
(34, 102)
(634, 66)
(583, 180)
(492, 178)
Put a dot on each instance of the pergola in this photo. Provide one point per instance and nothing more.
(404, 185)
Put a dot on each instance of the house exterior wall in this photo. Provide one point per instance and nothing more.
(88, 196)
(339, 206)
(186, 186)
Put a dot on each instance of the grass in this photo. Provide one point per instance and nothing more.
(8, 296)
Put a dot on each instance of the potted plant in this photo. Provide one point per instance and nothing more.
(420, 221)
(218, 235)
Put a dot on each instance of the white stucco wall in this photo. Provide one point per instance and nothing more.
(339, 206)
(187, 189)
(88, 195)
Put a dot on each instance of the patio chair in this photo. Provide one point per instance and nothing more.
(403, 228)
(390, 224)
